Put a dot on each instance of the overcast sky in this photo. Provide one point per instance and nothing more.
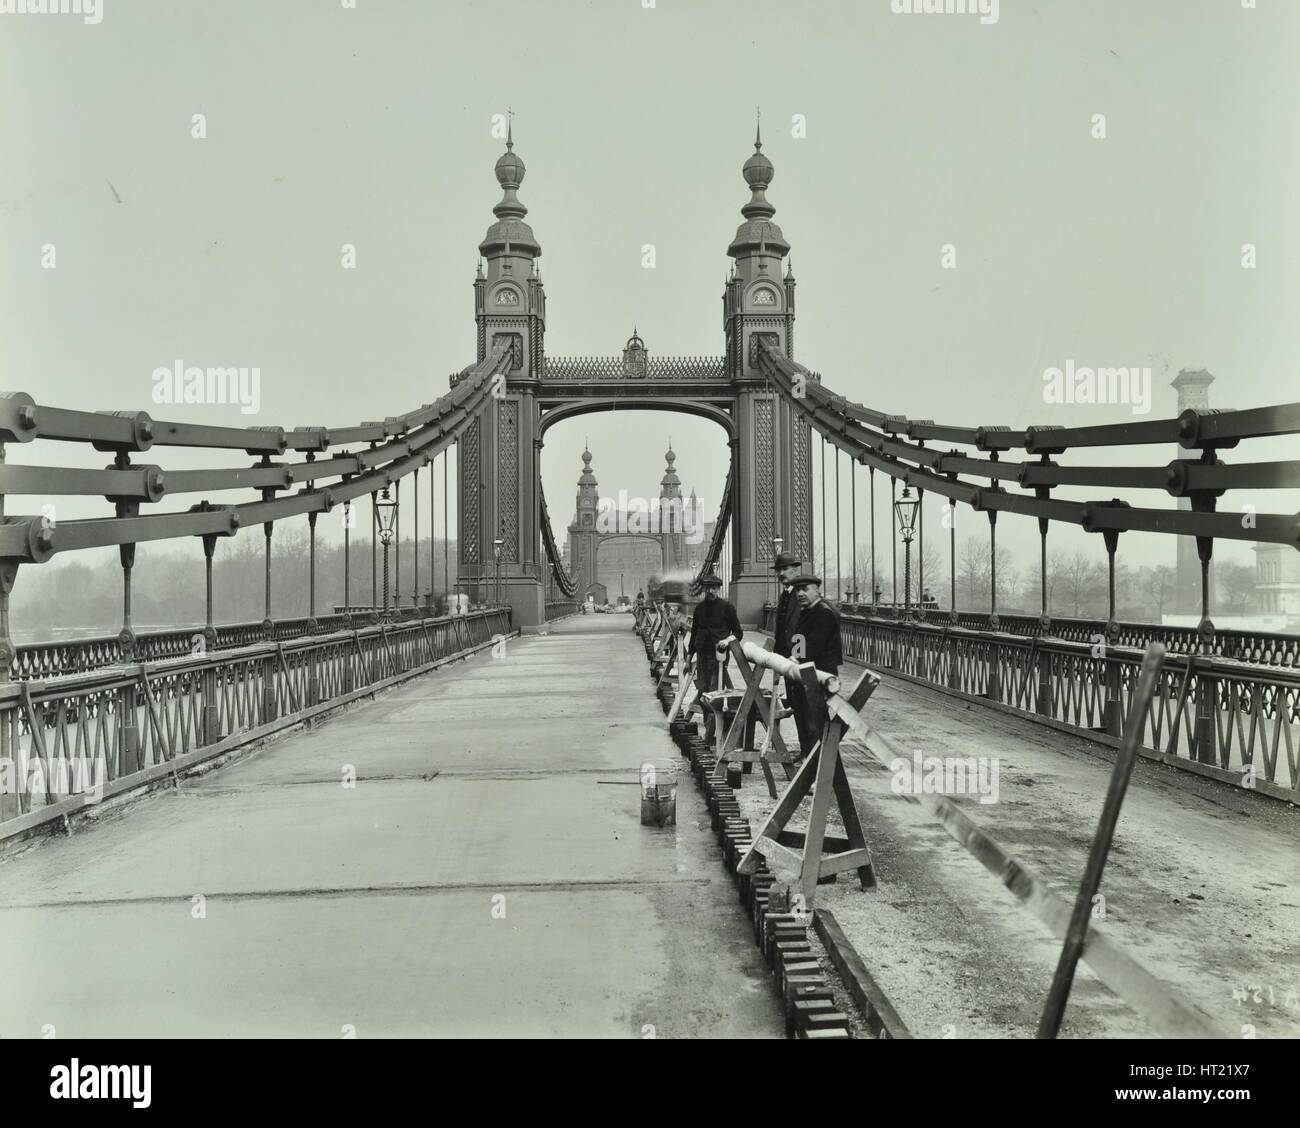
(328, 124)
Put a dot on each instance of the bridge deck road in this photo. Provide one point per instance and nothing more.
(502, 783)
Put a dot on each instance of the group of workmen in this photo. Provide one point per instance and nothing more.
(807, 629)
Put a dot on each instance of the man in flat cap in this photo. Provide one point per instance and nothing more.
(815, 639)
(714, 619)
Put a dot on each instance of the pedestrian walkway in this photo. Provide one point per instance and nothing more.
(486, 875)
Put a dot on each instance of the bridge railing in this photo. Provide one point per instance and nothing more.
(559, 608)
(1236, 720)
(79, 655)
(1261, 648)
(68, 743)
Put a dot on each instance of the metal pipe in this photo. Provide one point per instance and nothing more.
(207, 582)
(893, 539)
(822, 480)
(1042, 565)
(920, 549)
(993, 563)
(311, 570)
(853, 502)
(872, 473)
(952, 557)
(267, 529)
(446, 542)
(415, 567)
(433, 537)
(839, 526)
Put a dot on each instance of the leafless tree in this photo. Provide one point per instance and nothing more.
(1082, 578)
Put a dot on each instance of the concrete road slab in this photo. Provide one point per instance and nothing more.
(560, 963)
(384, 834)
(324, 906)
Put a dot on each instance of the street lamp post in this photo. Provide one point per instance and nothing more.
(905, 509)
(386, 513)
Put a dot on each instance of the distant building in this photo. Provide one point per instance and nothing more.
(622, 550)
(1277, 584)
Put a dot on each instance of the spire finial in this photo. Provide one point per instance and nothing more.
(510, 128)
(758, 128)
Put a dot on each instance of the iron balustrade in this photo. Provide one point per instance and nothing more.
(74, 739)
(1235, 716)
(1235, 721)
(79, 655)
(1264, 648)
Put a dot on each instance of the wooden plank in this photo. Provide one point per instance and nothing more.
(1059, 993)
(881, 1017)
(753, 683)
(844, 860)
(823, 792)
(780, 815)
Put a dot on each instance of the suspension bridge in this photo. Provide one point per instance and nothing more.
(393, 819)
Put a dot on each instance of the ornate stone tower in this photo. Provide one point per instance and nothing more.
(671, 524)
(500, 504)
(582, 532)
(774, 452)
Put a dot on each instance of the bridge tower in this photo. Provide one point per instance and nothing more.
(583, 535)
(499, 453)
(773, 446)
(671, 529)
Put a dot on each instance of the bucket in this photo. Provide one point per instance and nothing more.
(659, 793)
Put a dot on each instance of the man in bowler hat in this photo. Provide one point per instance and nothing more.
(815, 639)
